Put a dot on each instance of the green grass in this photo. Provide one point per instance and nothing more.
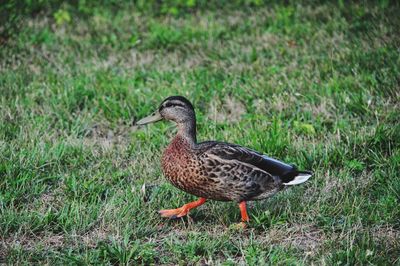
(312, 84)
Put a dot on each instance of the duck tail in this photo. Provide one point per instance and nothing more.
(300, 177)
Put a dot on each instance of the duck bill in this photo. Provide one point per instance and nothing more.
(154, 117)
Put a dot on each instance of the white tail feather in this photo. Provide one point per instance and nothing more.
(300, 178)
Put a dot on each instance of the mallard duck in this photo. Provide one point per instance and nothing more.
(216, 170)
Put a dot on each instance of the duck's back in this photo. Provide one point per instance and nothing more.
(219, 171)
(239, 171)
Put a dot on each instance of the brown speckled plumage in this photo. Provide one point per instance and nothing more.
(202, 171)
(217, 170)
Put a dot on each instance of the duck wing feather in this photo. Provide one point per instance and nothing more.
(228, 151)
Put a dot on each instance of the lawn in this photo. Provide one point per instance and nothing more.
(314, 84)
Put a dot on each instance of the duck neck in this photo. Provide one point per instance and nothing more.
(187, 130)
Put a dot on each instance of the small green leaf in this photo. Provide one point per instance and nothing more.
(304, 128)
(173, 11)
(190, 3)
(62, 16)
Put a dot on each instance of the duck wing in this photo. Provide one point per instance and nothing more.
(288, 174)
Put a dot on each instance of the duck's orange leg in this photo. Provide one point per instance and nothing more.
(243, 212)
(182, 211)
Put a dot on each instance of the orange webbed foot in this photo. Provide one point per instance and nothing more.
(182, 211)
(174, 213)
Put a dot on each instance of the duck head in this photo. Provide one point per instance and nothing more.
(177, 109)
(174, 108)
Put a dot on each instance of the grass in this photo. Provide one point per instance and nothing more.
(312, 84)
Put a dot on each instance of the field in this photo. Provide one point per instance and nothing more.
(314, 84)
